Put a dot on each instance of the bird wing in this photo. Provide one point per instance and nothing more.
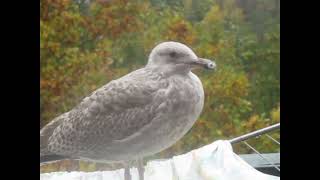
(47, 131)
(113, 112)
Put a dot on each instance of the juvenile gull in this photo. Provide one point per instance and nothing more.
(139, 114)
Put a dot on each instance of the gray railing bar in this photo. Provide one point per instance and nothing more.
(270, 137)
(261, 155)
(255, 133)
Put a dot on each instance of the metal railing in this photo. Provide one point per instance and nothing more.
(243, 139)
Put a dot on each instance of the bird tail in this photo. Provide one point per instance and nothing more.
(45, 133)
(51, 158)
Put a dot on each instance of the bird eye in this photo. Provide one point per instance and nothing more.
(172, 54)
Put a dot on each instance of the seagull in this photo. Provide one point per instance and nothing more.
(137, 115)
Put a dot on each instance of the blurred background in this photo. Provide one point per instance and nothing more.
(86, 43)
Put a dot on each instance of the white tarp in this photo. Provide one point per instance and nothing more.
(215, 161)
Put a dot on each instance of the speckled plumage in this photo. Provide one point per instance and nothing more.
(139, 114)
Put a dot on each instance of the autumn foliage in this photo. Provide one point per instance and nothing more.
(85, 44)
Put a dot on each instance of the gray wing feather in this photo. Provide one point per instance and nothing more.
(113, 112)
(47, 131)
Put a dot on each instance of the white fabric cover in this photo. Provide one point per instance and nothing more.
(215, 161)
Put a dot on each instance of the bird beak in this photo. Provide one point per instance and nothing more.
(205, 63)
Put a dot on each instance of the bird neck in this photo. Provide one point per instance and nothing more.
(169, 70)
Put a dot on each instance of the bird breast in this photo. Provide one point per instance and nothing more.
(184, 102)
(183, 105)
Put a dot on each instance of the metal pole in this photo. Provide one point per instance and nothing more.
(273, 139)
(255, 133)
(264, 158)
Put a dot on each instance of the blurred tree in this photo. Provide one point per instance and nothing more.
(85, 44)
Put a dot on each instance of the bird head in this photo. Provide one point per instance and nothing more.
(175, 55)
